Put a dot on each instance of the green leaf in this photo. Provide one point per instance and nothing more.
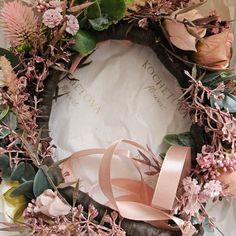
(4, 112)
(40, 182)
(6, 173)
(84, 43)
(93, 11)
(11, 121)
(114, 9)
(209, 78)
(183, 139)
(228, 103)
(100, 24)
(10, 57)
(4, 161)
(128, 2)
(23, 172)
(18, 171)
(24, 189)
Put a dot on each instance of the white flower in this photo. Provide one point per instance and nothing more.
(213, 188)
(72, 25)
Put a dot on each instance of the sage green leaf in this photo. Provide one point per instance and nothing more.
(94, 11)
(18, 171)
(84, 43)
(183, 139)
(214, 102)
(114, 9)
(4, 161)
(23, 172)
(229, 103)
(24, 189)
(40, 183)
(11, 121)
(211, 77)
(6, 173)
(4, 112)
(100, 24)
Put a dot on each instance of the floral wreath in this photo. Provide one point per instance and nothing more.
(49, 40)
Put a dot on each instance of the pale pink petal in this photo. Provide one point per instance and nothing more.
(58, 208)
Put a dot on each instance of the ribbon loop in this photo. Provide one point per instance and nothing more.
(142, 203)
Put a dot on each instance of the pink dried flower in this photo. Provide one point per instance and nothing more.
(191, 186)
(52, 18)
(56, 4)
(19, 22)
(212, 162)
(213, 188)
(72, 25)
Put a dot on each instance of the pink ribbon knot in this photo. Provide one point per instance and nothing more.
(142, 203)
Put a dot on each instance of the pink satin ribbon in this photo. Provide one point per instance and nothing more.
(141, 203)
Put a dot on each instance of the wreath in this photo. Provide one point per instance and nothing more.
(49, 40)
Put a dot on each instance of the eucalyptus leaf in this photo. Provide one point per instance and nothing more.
(211, 77)
(183, 139)
(100, 24)
(24, 189)
(11, 121)
(84, 43)
(4, 162)
(6, 173)
(40, 182)
(4, 112)
(214, 102)
(23, 172)
(229, 103)
(18, 171)
(114, 9)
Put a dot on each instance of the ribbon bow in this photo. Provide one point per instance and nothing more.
(142, 203)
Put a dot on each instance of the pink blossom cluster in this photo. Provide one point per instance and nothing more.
(212, 162)
(52, 16)
(74, 223)
(72, 25)
(194, 195)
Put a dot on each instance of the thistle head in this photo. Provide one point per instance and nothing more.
(19, 23)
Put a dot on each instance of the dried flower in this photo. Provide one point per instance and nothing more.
(52, 18)
(50, 204)
(191, 186)
(56, 4)
(212, 189)
(179, 34)
(7, 76)
(19, 22)
(215, 51)
(72, 25)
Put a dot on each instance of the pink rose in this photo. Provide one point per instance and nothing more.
(215, 51)
(50, 204)
(179, 35)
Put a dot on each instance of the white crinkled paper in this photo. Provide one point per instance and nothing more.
(124, 93)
